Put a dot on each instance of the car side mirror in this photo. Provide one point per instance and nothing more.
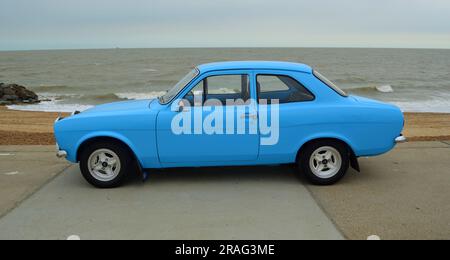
(181, 106)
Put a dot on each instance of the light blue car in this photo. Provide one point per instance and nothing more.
(232, 114)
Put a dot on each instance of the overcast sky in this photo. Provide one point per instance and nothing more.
(63, 24)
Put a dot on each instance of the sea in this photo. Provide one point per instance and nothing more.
(417, 80)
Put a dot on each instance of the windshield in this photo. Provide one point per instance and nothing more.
(329, 83)
(166, 98)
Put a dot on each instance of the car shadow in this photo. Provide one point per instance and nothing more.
(272, 173)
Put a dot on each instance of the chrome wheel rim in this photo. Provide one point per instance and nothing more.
(104, 165)
(325, 162)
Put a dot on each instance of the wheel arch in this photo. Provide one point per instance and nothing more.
(105, 136)
(353, 159)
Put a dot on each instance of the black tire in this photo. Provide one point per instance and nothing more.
(305, 156)
(126, 163)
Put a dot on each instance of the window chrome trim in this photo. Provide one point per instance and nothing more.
(197, 73)
(335, 88)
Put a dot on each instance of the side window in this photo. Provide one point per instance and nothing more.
(222, 88)
(281, 87)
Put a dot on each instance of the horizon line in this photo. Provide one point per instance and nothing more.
(234, 47)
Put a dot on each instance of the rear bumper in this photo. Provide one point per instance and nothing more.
(400, 139)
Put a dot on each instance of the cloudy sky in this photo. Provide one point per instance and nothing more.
(63, 24)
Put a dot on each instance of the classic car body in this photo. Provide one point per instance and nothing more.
(365, 127)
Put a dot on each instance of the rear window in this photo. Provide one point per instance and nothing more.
(329, 83)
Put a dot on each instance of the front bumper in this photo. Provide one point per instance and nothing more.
(60, 153)
(400, 139)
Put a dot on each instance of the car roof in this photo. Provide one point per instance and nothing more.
(246, 65)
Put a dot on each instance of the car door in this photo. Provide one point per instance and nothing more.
(284, 106)
(201, 145)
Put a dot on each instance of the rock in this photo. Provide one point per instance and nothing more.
(10, 97)
(8, 91)
(16, 94)
(5, 103)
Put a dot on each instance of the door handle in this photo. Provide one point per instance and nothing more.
(248, 115)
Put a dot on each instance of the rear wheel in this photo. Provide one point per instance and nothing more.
(324, 162)
(105, 164)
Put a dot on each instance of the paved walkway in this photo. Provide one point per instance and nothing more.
(23, 170)
(207, 203)
(404, 194)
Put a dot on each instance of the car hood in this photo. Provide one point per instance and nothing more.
(130, 105)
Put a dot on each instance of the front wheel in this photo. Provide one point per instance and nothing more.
(105, 164)
(324, 162)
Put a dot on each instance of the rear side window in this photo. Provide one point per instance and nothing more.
(283, 88)
(329, 83)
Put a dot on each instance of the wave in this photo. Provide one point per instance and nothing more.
(385, 89)
(436, 106)
(140, 95)
(50, 106)
(350, 80)
(110, 97)
(100, 98)
(70, 102)
(372, 89)
(50, 88)
(433, 106)
(150, 70)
